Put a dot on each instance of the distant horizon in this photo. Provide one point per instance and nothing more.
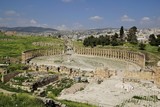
(77, 29)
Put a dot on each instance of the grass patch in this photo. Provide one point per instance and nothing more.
(11, 89)
(60, 85)
(75, 104)
(16, 67)
(19, 100)
(136, 100)
(21, 43)
(153, 98)
(70, 103)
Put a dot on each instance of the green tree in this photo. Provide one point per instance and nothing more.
(107, 40)
(158, 49)
(158, 40)
(59, 36)
(122, 38)
(114, 41)
(90, 41)
(121, 33)
(101, 40)
(142, 46)
(152, 40)
(86, 42)
(132, 38)
(93, 42)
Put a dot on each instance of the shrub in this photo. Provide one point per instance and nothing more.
(158, 49)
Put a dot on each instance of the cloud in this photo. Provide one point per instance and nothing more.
(66, 1)
(32, 21)
(12, 18)
(145, 20)
(62, 27)
(96, 18)
(11, 13)
(125, 18)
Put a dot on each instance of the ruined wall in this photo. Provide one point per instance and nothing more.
(103, 73)
(10, 33)
(46, 44)
(153, 75)
(7, 77)
(146, 75)
(44, 81)
(134, 57)
(157, 76)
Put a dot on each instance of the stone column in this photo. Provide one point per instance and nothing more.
(2, 78)
(107, 53)
(100, 53)
(133, 57)
(23, 57)
(113, 54)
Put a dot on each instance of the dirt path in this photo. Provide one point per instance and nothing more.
(6, 92)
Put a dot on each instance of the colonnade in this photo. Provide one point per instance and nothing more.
(134, 57)
(27, 55)
(130, 56)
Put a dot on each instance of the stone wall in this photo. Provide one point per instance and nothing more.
(153, 75)
(44, 81)
(145, 75)
(103, 73)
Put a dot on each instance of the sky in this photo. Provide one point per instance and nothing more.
(80, 14)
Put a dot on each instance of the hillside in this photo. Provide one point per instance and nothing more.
(28, 29)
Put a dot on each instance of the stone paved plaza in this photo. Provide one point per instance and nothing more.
(85, 62)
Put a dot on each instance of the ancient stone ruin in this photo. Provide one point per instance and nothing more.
(134, 57)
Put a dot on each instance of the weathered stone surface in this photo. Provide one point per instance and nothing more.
(158, 64)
